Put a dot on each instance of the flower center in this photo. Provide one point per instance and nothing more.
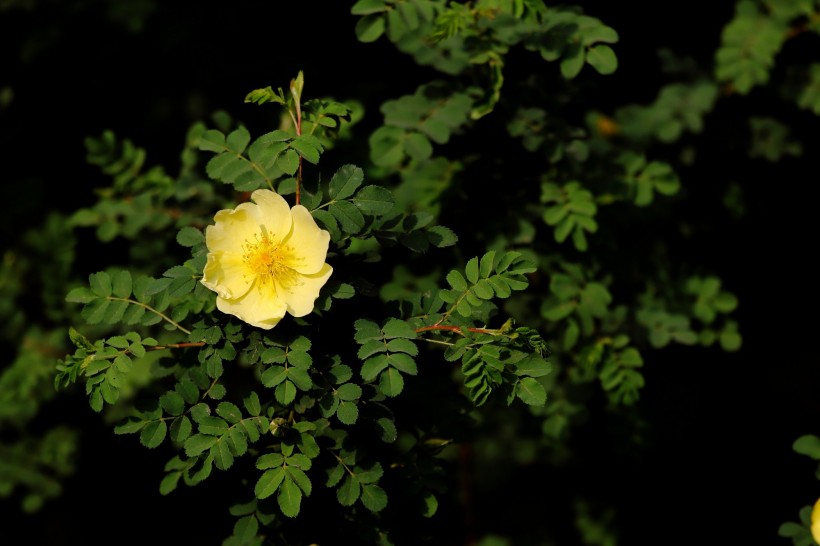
(268, 260)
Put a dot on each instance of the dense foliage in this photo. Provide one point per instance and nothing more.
(515, 241)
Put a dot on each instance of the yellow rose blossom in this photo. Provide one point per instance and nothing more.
(265, 259)
(815, 522)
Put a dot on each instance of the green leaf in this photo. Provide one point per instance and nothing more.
(486, 264)
(221, 452)
(402, 345)
(808, 444)
(288, 162)
(349, 491)
(370, 27)
(229, 411)
(403, 362)
(389, 431)
(308, 146)
(396, 27)
(373, 366)
(300, 378)
(370, 348)
(296, 473)
(335, 475)
(345, 182)
(190, 236)
(153, 434)
(532, 366)
(366, 7)
(188, 390)
(347, 412)
(270, 460)
(172, 402)
(169, 482)
(80, 295)
(100, 284)
(730, 340)
(273, 376)
(370, 475)
(471, 271)
(457, 281)
(348, 216)
(531, 392)
(121, 284)
(564, 228)
(430, 505)
(285, 392)
(349, 391)
(391, 382)
(238, 140)
(373, 497)
(343, 291)
(387, 146)
(212, 141)
(245, 529)
(441, 237)
(463, 308)
(483, 289)
(181, 429)
(602, 59)
(261, 96)
(252, 405)
(366, 330)
(118, 341)
(199, 443)
(418, 146)
(289, 498)
(374, 200)
(599, 33)
(269, 482)
(394, 328)
(573, 61)
(210, 424)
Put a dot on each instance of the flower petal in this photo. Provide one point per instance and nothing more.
(308, 242)
(301, 296)
(232, 228)
(226, 274)
(273, 213)
(261, 308)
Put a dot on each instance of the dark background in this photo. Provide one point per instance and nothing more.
(720, 466)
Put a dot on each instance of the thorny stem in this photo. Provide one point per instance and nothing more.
(149, 308)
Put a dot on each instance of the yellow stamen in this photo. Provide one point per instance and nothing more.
(269, 260)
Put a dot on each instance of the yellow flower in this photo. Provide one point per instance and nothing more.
(266, 259)
(815, 522)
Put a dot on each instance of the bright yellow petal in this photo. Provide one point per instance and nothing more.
(274, 214)
(227, 274)
(815, 522)
(260, 308)
(301, 296)
(308, 242)
(232, 228)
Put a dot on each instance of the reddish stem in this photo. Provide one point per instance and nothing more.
(455, 329)
(299, 133)
(176, 346)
